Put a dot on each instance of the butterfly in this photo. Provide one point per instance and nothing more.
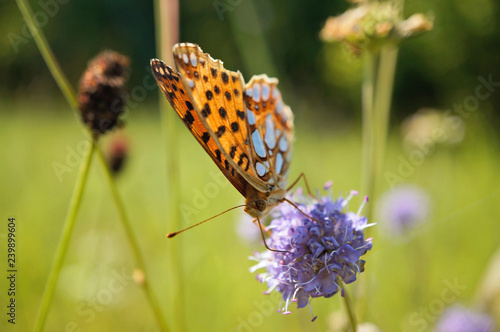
(246, 129)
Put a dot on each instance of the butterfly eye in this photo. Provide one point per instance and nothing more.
(261, 205)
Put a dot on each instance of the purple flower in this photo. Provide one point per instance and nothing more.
(461, 319)
(319, 254)
(403, 208)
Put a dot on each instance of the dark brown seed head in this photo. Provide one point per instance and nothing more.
(102, 94)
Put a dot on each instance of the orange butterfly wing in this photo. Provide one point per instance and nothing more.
(217, 95)
(247, 130)
(172, 87)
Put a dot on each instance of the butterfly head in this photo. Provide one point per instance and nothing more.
(259, 204)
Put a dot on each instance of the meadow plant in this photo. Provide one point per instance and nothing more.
(101, 101)
(318, 254)
(403, 208)
(102, 95)
(460, 319)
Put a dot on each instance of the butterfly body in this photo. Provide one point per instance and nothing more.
(246, 129)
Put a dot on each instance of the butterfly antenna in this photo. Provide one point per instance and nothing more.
(305, 214)
(264, 239)
(170, 235)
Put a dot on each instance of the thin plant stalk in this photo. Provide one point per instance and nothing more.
(253, 48)
(74, 206)
(382, 105)
(47, 53)
(70, 96)
(349, 308)
(383, 97)
(166, 30)
(368, 121)
(133, 243)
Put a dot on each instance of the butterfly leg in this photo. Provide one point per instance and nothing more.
(264, 239)
(261, 226)
(302, 175)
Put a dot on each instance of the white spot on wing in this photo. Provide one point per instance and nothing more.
(185, 58)
(261, 169)
(269, 137)
(256, 92)
(250, 117)
(194, 62)
(279, 162)
(258, 144)
(283, 144)
(248, 92)
(276, 93)
(191, 83)
(266, 91)
(279, 107)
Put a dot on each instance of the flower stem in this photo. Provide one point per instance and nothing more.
(349, 308)
(368, 130)
(70, 96)
(133, 243)
(74, 205)
(166, 30)
(382, 105)
(47, 53)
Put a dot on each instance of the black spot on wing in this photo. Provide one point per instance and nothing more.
(224, 77)
(188, 118)
(205, 137)
(220, 131)
(244, 157)
(233, 152)
(240, 114)
(206, 110)
(222, 112)
(209, 94)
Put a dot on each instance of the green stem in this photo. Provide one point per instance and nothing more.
(74, 205)
(70, 96)
(133, 243)
(166, 19)
(382, 105)
(47, 54)
(349, 308)
(368, 134)
(253, 48)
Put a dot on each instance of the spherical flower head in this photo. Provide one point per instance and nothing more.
(403, 208)
(461, 319)
(318, 254)
(374, 23)
(102, 92)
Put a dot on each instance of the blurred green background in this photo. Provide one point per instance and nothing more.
(321, 83)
